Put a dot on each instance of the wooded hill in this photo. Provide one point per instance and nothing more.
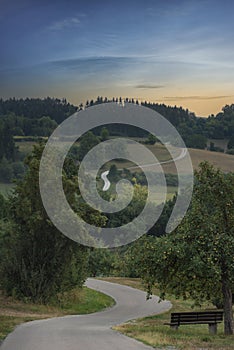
(38, 117)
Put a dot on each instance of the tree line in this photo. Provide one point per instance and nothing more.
(11, 165)
(38, 117)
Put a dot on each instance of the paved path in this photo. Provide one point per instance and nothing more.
(88, 332)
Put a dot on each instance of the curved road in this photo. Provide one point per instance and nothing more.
(89, 332)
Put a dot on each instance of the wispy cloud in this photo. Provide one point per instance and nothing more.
(66, 23)
(149, 86)
(93, 62)
(182, 98)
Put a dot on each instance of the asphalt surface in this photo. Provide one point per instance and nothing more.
(89, 332)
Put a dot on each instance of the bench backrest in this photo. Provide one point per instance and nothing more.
(203, 316)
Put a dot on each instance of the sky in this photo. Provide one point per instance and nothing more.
(177, 52)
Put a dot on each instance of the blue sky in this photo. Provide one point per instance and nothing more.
(177, 52)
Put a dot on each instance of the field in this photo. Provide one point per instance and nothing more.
(25, 147)
(152, 331)
(220, 160)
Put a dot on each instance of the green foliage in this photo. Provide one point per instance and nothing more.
(87, 142)
(222, 125)
(132, 210)
(195, 141)
(18, 169)
(6, 171)
(197, 260)
(40, 116)
(7, 145)
(3, 207)
(214, 148)
(37, 261)
(151, 139)
(101, 262)
(104, 134)
(230, 144)
(230, 151)
(44, 126)
(36, 108)
(114, 174)
(10, 171)
(159, 228)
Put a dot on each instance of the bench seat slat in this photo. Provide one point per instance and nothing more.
(197, 318)
(187, 323)
(202, 317)
(198, 322)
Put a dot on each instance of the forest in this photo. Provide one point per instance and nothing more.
(34, 119)
(37, 117)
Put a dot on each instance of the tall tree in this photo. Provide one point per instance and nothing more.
(104, 134)
(7, 145)
(38, 261)
(197, 259)
(87, 142)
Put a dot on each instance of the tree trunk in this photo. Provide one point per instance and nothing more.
(227, 307)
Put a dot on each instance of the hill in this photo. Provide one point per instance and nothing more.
(220, 160)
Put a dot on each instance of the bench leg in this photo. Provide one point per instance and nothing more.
(213, 328)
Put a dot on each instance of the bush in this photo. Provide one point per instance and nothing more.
(18, 169)
(214, 148)
(230, 151)
(6, 171)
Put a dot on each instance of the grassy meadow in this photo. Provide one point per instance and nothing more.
(220, 160)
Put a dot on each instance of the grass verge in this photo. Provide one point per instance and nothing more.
(152, 331)
(76, 302)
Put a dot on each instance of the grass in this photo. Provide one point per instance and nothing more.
(25, 147)
(218, 159)
(76, 302)
(221, 160)
(152, 331)
(8, 323)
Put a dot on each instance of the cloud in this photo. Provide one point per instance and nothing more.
(92, 62)
(181, 98)
(64, 24)
(149, 86)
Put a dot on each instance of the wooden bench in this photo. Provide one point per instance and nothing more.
(212, 318)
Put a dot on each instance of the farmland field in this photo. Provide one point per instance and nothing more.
(220, 160)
